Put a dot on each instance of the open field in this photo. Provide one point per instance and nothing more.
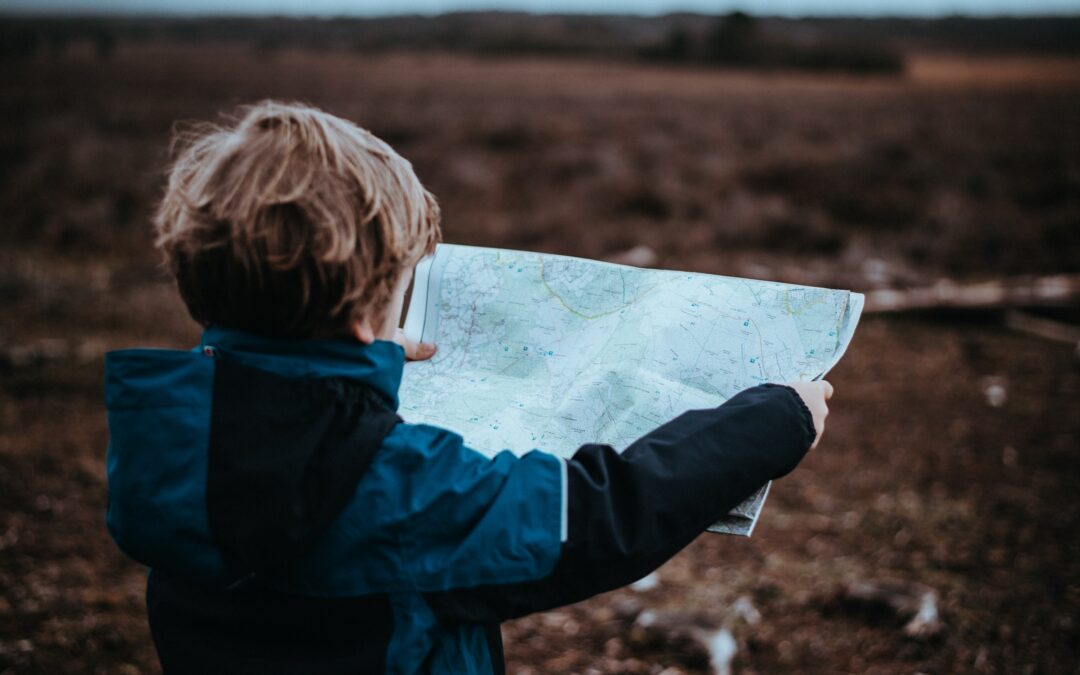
(966, 167)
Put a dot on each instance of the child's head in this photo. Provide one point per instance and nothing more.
(291, 221)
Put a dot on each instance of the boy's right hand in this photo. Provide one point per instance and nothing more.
(814, 395)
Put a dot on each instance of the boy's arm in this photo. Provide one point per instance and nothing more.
(628, 513)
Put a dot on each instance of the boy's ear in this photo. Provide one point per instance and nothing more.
(362, 331)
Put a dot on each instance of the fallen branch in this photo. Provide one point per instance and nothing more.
(1062, 290)
(1043, 327)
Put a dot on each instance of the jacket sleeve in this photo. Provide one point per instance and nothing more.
(628, 513)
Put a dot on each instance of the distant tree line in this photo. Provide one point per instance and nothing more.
(739, 40)
(735, 40)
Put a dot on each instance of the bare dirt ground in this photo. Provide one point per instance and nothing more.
(964, 168)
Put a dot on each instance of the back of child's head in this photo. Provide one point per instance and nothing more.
(290, 221)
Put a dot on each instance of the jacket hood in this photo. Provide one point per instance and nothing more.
(241, 449)
(379, 365)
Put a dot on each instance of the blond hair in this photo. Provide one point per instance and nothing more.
(290, 221)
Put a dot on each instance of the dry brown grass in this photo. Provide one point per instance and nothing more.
(1017, 71)
(964, 168)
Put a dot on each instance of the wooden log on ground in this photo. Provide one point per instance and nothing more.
(1058, 331)
(1061, 290)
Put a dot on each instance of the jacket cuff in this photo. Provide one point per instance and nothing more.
(807, 416)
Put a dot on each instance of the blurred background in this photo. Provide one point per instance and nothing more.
(927, 154)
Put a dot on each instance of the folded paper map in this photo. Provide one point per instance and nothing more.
(553, 352)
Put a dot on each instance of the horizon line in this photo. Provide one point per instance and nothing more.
(105, 12)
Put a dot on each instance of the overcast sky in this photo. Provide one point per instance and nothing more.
(384, 7)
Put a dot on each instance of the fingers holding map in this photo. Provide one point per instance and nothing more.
(552, 352)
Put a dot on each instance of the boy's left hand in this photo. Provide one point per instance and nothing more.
(414, 351)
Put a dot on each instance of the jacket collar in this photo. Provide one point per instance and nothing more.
(378, 365)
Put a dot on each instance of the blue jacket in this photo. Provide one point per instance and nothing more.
(294, 523)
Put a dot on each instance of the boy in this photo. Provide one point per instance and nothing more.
(292, 521)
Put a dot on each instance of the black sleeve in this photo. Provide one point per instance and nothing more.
(629, 513)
